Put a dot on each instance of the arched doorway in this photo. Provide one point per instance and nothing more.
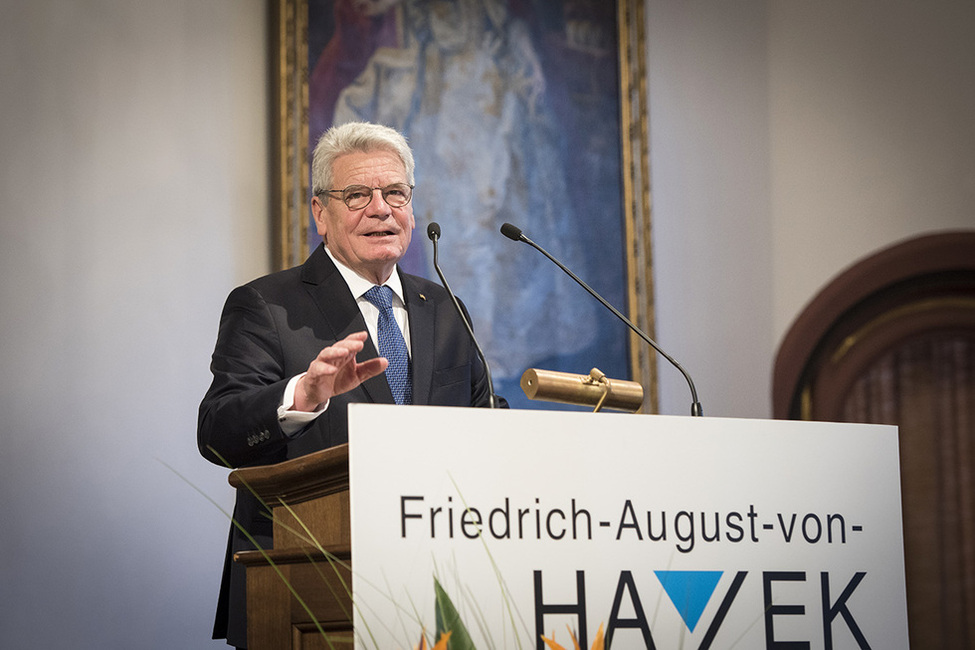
(891, 340)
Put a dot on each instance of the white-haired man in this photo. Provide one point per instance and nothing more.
(295, 347)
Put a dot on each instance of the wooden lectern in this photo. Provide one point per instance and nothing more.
(309, 500)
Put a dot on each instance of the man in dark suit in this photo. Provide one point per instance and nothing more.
(295, 347)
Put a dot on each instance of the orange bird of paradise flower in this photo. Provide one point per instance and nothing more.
(597, 644)
(441, 644)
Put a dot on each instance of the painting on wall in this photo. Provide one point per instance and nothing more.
(529, 112)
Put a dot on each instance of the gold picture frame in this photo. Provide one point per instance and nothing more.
(291, 164)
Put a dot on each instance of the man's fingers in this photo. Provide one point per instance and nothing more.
(371, 368)
(333, 359)
(343, 348)
(335, 355)
(341, 351)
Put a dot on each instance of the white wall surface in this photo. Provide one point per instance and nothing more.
(789, 139)
(133, 149)
(712, 243)
(873, 134)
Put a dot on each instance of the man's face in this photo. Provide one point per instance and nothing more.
(370, 240)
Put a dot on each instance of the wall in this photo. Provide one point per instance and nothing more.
(712, 245)
(789, 140)
(873, 139)
(134, 196)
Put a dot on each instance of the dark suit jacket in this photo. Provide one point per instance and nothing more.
(270, 331)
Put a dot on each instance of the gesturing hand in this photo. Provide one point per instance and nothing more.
(335, 371)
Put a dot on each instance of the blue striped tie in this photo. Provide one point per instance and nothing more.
(399, 373)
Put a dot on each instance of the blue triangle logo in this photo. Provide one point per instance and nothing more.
(690, 592)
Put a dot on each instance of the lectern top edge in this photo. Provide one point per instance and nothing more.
(316, 474)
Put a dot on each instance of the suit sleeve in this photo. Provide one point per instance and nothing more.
(238, 420)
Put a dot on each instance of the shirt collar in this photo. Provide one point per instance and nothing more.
(359, 285)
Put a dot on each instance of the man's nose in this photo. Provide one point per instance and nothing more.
(377, 205)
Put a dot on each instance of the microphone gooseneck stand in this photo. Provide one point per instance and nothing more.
(514, 233)
(433, 232)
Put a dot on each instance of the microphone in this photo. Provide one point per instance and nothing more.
(433, 232)
(514, 233)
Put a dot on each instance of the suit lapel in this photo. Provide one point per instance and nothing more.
(334, 299)
(422, 314)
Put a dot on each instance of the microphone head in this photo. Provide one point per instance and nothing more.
(433, 231)
(511, 232)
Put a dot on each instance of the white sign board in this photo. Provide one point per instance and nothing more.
(669, 532)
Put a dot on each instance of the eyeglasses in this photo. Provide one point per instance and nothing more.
(357, 197)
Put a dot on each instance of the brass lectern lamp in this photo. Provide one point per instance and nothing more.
(595, 389)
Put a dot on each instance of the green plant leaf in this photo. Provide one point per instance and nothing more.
(449, 620)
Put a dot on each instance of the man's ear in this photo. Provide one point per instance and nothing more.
(319, 213)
